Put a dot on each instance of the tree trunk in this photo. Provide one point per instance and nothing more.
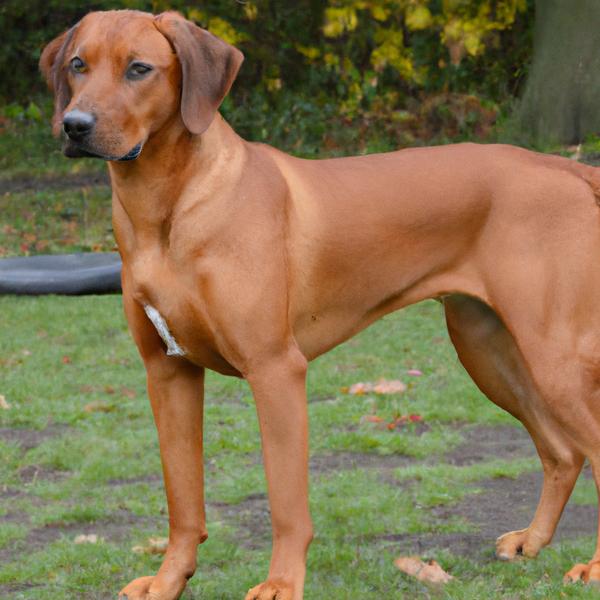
(561, 101)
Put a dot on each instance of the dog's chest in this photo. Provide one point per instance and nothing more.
(177, 312)
(173, 347)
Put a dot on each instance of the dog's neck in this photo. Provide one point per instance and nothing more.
(146, 187)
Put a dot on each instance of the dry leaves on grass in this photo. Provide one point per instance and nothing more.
(427, 572)
(383, 386)
(397, 422)
(89, 538)
(155, 545)
(414, 372)
(4, 405)
(98, 406)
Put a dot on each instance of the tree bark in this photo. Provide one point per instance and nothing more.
(561, 101)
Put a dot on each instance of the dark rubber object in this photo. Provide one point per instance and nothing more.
(72, 274)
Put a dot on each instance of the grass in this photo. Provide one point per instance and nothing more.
(97, 470)
(79, 453)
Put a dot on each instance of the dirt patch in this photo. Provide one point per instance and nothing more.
(10, 492)
(487, 442)
(504, 505)
(27, 439)
(322, 464)
(116, 529)
(63, 182)
(481, 443)
(32, 473)
(251, 517)
(154, 478)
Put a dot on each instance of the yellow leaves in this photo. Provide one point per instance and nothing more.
(461, 37)
(339, 20)
(391, 51)
(331, 60)
(225, 31)
(251, 11)
(466, 27)
(198, 16)
(273, 84)
(217, 26)
(379, 12)
(418, 17)
(311, 52)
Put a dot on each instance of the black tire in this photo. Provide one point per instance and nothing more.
(71, 274)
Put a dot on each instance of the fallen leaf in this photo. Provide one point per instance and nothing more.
(128, 392)
(98, 406)
(371, 419)
(66, 359)
(427, 572)
(414, 372)
(383, 386)
(155, 545)
(3, 403)
(90, 538)
(394, 386)
(359, 389)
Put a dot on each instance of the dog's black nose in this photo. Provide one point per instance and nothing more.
(78, 124)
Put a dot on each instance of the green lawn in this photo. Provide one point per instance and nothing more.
(375, 492)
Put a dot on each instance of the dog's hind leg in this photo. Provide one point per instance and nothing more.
(490, 355)
(588, 572)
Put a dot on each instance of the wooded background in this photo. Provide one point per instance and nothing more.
(408, 70)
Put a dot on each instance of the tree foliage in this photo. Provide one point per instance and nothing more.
(359, 58)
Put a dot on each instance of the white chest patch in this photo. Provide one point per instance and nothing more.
(173, 348)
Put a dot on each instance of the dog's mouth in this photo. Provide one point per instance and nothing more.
(73, 150)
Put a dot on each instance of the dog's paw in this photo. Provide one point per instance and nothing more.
(137, 589)
(151, 588)
(589, 573)
(518, 543)
(271, 590)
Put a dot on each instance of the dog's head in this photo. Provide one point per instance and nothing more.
(119, 76)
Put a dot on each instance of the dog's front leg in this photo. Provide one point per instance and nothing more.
(176, 392)
(279, 388)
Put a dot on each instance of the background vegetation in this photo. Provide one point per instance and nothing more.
(392, 72)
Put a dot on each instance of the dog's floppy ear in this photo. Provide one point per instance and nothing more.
(55, 71)
(208, 67)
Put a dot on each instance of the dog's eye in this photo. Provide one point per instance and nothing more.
(137, 70)
(77, 65)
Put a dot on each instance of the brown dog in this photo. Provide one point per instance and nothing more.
(242, 259)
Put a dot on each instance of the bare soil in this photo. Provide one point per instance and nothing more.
(503, 504)
(50, 183)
